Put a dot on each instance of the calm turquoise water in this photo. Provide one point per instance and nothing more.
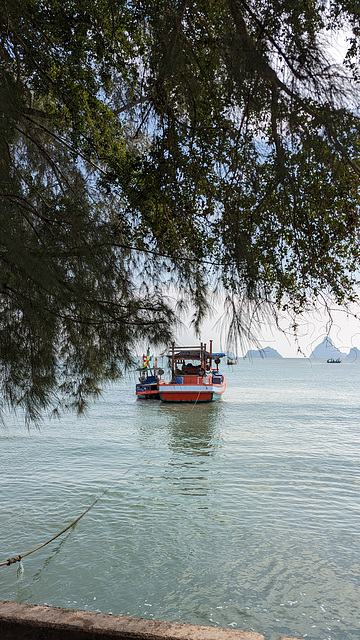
(243, 513)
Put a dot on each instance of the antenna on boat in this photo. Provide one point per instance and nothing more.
(173, 359)
(210, 355)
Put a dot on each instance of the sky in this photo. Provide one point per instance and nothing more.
(344, 333)
(313, 328)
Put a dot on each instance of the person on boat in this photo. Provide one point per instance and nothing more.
(190, 369)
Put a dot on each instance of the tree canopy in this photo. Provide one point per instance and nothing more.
(151, 148)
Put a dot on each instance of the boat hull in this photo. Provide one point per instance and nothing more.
(147, 395)
(191, 393)
(147, 392)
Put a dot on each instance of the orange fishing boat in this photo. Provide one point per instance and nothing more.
(194, 379)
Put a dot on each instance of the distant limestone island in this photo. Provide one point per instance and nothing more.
(267, 352)
(327, 351)
(324, 351)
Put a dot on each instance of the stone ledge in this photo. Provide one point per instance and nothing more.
(35, 622)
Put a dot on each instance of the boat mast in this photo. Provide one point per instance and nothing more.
(173, 360)
(210, 355)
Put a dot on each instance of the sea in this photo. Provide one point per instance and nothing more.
(243, 514)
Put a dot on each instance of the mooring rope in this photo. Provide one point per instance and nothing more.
(19, 557)
(195, 403)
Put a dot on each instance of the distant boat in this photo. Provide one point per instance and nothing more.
(231, 360)
(193, 377)
(333, 360)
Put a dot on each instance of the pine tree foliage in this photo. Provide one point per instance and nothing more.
(151, 146)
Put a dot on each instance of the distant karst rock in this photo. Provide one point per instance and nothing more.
(267, 352)
(326, 350)
(354, 354)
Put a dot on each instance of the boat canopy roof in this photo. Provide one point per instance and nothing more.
(189, 353)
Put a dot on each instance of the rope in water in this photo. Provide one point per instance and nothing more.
(195, 403)
(19, 557)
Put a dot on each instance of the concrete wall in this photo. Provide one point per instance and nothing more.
(33, 622)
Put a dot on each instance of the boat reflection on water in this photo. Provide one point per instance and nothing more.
(193, 439)
(195, 430)
(191, 434)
